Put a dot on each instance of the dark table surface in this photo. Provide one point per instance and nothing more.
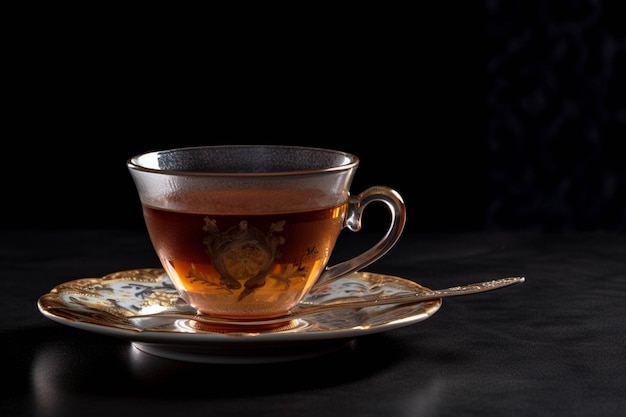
(554, 345)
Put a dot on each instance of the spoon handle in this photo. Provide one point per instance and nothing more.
(306, 309)
(410, 298)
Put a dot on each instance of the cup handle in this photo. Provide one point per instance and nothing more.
(356, 206)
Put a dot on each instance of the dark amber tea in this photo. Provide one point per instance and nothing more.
(256, 252)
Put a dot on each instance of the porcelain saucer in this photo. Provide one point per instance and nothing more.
(103, 305)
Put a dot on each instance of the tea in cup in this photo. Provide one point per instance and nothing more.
(246, 231)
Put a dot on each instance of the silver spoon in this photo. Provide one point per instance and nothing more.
(306, 309)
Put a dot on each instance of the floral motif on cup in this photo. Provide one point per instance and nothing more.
(242, 253)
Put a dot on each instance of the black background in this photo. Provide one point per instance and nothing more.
(493, 115)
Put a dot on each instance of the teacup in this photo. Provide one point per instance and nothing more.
(245, 232)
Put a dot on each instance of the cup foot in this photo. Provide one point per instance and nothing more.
(242, 327)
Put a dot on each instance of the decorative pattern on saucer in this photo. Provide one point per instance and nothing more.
(104, 305)
(110, 300)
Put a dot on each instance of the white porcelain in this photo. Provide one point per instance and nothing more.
(103, 305)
